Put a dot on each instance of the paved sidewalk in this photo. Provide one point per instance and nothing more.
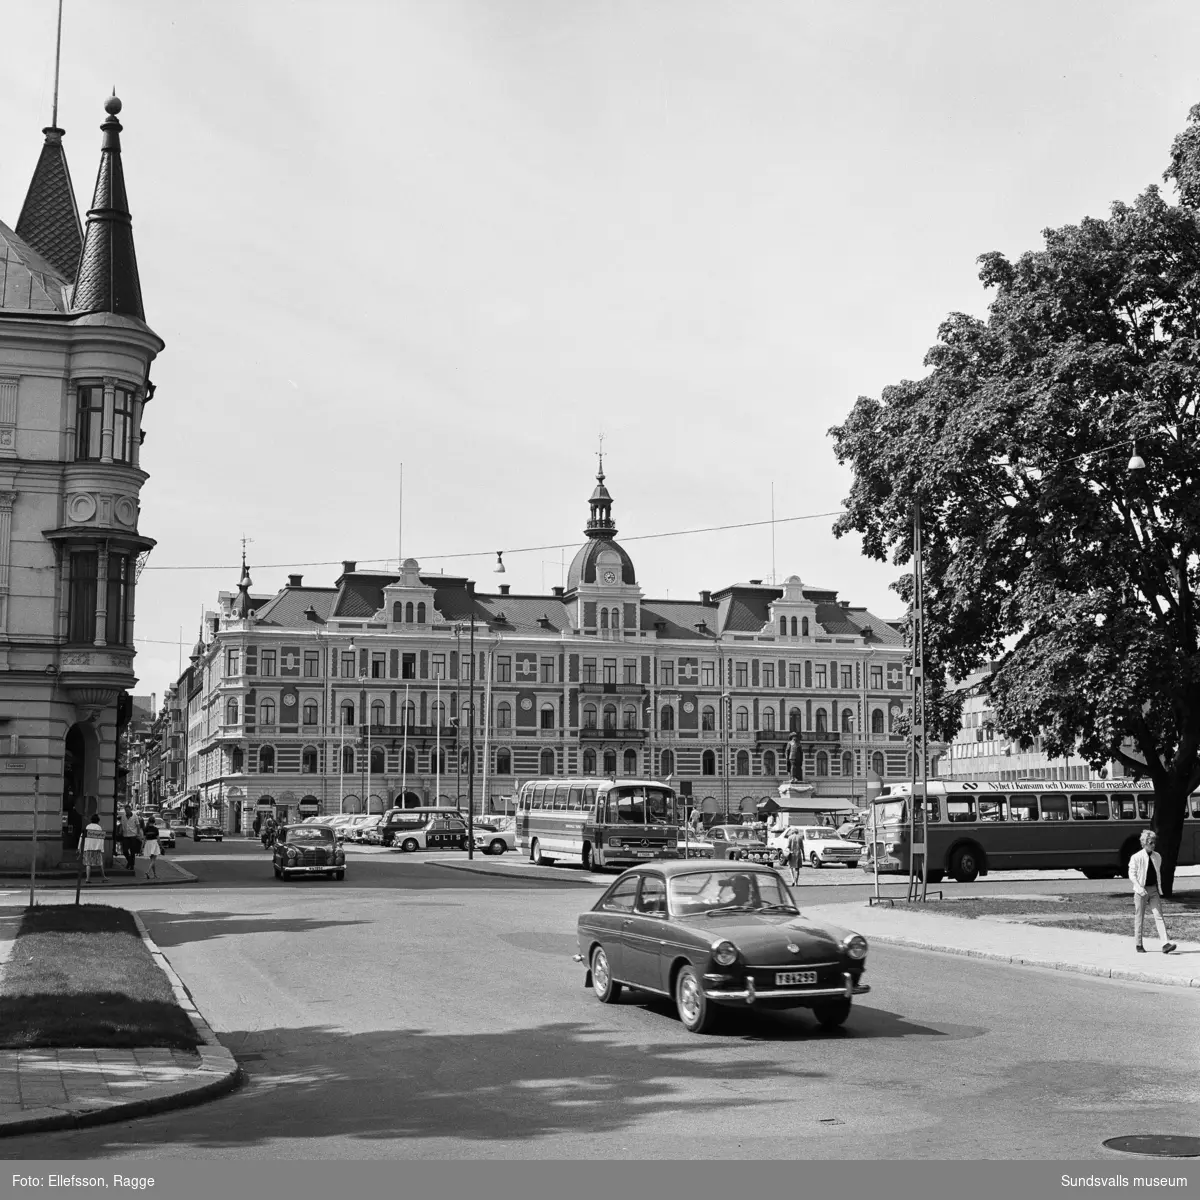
(169, 872)
(1016, 942)
(66, 1088)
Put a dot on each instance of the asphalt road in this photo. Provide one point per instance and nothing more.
(414, 1011)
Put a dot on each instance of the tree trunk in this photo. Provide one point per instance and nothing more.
(1170, 805)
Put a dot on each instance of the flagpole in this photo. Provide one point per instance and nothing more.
(437, 745)
(404, 763)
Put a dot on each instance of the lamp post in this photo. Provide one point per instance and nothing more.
(323, 666)
(471, 753)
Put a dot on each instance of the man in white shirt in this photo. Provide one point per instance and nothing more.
(131, 835)
(1145, 870)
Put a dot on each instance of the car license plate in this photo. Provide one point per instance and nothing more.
(644, 853)
(788, 978)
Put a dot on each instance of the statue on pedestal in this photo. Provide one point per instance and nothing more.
(795, 758)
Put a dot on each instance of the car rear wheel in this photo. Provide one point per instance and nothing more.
(964, 866)
(607, 989)
(832, 1013)
(814, 860)
(498, 846)
(696, 1013)
(409, 845)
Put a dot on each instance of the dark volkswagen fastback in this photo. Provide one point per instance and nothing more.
(718, 935)
(308, 850)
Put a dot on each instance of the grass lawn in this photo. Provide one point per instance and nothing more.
(1097, 912)
(81, 976)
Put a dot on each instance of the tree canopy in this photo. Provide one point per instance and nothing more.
(1042, 549)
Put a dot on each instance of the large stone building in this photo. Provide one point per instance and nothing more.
(356, 696)
(75, 355)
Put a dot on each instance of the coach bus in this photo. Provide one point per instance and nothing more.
(1032, 825)
(598, 822)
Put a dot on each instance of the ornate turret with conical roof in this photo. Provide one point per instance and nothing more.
(49, 220)
(107, 280)
(601, 559)
(242, 605)
(600, 522)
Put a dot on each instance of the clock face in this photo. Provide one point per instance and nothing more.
(610, 577)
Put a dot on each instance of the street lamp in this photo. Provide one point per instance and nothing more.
(311, 614)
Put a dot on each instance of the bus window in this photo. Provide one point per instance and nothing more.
(1054, 808)
(892, 813)
(575, 803)
(1124, 808)
(992, 809)
(1089, 807)
(589, 798)
(933, 808)
(560, 797)
(1196, 805)
(523, 800)
(659, 809)
(961, 808)
(1023, 808)
(539, 795)
(1145, 807)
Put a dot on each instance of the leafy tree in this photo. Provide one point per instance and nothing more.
(1043, 549)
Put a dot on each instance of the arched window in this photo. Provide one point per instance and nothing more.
(822, 721)
(877, 721)
(589, 716)
(409, 714)
(421, 613)
(347, 760)
(547, 762)
(742, 763)
(822, 763)
(503, 715)
(616, 618)
(408, 612)
(604, 618)
(503, 762)
(308, 761)
(793, 627)
(794, 720)
(378, 763)
(347, 712)
(667, 764)
(804, 626)
(377, 713)
(610, 717)
(708, 763)
(231, 712)
(783, 626)
(768, 762)
(310, 712)
(847, 721)
(847, 765)
(877, 762)
(266, 711)
(708, 718)
(668, 719)
(629, 717)
(437, 713)
(630, 764)
(410, 761)
(237, 762)
(610, 762)
(266, 760)
(546, 716)
(768, 719)
(742, 720)
(589, 762)
(397, 613)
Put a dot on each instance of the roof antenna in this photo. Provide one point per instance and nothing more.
(57, 57)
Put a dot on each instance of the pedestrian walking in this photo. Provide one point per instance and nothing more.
(153, 849)
(93, 848)
(1145, 870)
(132, 832)
(795, 851)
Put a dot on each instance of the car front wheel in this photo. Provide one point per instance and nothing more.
(607, 989)
(409, 845)
(278, 873)
(497, 847)
(696, 1012)
(832, 1013)
(814, 860)
(339, 875)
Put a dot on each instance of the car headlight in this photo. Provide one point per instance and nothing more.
(855, 946)
(615, 842)
(292, 853)
(339, 856)
(726, 953)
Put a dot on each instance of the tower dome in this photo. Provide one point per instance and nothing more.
(601, 559)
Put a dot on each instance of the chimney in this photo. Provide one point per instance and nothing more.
(295, 580)
(706, 597)
(756, 582)
(348, 566)
(558, 591)
(504, 589)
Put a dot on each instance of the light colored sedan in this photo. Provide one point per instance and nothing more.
(494, 837)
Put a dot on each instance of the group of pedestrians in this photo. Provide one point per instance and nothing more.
(137, 837)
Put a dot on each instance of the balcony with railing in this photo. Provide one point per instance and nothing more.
(611, 733)
(612, 689)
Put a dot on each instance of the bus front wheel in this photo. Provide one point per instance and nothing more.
(590, 859)
(539, 859)
(964, 866)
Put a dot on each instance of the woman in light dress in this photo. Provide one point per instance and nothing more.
(93, 847)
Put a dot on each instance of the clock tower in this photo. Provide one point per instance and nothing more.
(602, 590)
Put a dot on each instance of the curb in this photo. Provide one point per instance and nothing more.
(1016, 960)
(217, 1074)
(508, 873)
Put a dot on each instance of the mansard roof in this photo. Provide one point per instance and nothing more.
(28, 283)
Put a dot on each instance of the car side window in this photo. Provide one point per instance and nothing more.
(652, 899)
(620, 899)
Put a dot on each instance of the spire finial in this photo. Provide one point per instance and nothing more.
(600, 456)
(57, 58)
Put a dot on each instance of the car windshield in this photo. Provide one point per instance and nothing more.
(816, 835)
(716, 892)
(635, 805)
(743, 833)
(309, 833)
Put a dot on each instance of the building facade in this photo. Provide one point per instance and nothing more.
(75, 357)
(358, 696)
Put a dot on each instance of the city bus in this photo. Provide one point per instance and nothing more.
(598, 822)
(974, 827)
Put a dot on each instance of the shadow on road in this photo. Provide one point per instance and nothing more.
(178, 928)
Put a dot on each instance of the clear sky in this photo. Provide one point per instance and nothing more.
(471, 235)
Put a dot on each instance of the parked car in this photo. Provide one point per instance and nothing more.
(495, 837)
(714, 936)
(693, 844)
(434, 833)
(399, 822)
(822, 847)
(307, 850)
(743, 842)
(166, 836)
(200, 832)
(361, 831)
